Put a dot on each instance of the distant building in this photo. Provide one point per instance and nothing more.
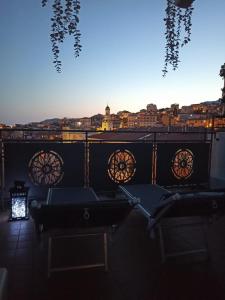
(106, 122)
(3, 126)
(115, 120)
(198, 122)
(123, 115)
(219, 122)
(174, 109)
(206, 121)
(199, 108)
(133, 120)
(213, 108)
(186, 110)
(146, 119)
(96, 120)
(107, 112)
(152, 108)
(169, 119)
(85, 123)
(70, 135)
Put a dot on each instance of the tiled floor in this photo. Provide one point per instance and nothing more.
(134, 272)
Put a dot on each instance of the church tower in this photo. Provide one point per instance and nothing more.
(107, 111)
(107, 122)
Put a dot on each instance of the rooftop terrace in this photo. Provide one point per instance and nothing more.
(135, 267)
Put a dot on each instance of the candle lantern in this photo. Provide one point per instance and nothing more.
(19, 201)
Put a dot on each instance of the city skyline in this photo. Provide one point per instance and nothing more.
(101, 112)
(214, 103)
(120, 63)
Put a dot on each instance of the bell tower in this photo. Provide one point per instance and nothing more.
(107, 111)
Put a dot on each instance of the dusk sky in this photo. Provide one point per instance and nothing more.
(120, 64)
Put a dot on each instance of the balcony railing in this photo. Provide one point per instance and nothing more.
(45, 158)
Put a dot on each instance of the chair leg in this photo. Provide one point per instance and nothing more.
(203, 249)
(49, 255)
(162, 244)
(106, 251)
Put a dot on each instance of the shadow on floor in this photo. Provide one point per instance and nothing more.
(135, 270)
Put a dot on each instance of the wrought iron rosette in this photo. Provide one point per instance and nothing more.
(121, 166)
(182, 164)
(46, 168)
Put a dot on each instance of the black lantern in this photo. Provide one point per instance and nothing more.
(19, 202)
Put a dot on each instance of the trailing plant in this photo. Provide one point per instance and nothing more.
(65, 20)
(177, 20)
(222, 74)
(222, 71)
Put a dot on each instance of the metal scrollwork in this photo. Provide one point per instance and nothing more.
(121, 166)
(46, 168)
(182, 164)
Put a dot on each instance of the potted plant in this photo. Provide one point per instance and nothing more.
(183, 3)
(222, 100)
(177, 20)
(65, 21)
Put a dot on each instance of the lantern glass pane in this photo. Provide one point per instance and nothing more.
(18, 207)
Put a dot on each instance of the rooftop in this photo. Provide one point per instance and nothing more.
(136, 270)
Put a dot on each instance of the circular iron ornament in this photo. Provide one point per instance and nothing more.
(121, 166)
(182, 164)
(45, 168)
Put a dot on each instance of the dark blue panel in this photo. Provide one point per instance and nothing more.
(101, 154)
(192, 166)
(26, 161)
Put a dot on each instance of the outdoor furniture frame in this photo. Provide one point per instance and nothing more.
(78, 212)
(79, 234)
(158, 204)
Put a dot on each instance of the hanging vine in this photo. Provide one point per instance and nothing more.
(64, 22)
(176, 22)
(222, 74)
(222, 71)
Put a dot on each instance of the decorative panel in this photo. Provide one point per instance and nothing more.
(119, 163)
(183, 163)
(42, 165)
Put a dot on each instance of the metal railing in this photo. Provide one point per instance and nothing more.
(135, 146)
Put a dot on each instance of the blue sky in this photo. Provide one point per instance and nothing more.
(120, 64)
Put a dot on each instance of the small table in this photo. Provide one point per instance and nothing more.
(79, 209)
(77, 197)
(70, 195)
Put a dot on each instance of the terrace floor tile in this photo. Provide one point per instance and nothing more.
(135, 269)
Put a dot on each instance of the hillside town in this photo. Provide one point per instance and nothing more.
(203, 115)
